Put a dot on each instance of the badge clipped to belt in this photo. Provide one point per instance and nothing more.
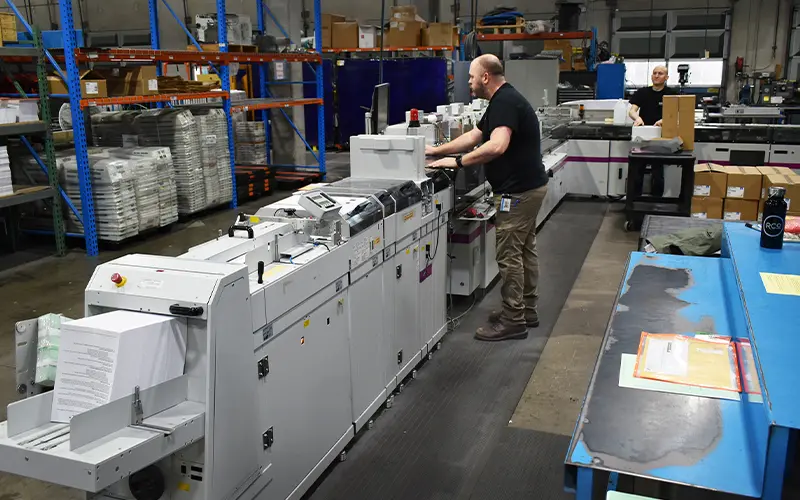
(505, 203)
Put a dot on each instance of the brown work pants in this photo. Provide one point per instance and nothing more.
(517, 259)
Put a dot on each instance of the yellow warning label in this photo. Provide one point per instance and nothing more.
(408, 251)
(376, 241)
(184, 487)
(407, 217)
(306, 322)
(254, 219)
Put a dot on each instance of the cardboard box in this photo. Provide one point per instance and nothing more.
(327, 28)
(706, 207)
(677, 119)
(565, 46)
(792, 185)
(743, 183)
(404, 13)
(710, 179)
(776, 170)
(345, 35)
(367, 37)
(437, 35)
(135, 80)
(404, 34)
(734, 209)
(93, 85)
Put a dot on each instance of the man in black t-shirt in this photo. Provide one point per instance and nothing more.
(512, 157)
(647, 102)
(646, 109)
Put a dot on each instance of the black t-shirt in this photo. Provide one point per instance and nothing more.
(650, 103)
(520, 168)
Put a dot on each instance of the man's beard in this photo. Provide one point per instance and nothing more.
(480, 92)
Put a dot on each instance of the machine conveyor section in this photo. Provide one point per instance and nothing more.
(101, 446)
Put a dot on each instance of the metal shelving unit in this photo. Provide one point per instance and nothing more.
(219, 60)
(51, 192)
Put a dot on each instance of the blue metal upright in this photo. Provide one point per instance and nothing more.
(263, 75)
(320, 89)
(79, 131)
(155, 37)
(225, 80)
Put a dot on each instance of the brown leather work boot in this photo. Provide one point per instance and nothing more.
(496, 332)
(531, 321)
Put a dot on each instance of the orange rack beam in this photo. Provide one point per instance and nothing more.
(274, 104)
(388, 49)
(188, 56)
(567, 35)
(141, 99)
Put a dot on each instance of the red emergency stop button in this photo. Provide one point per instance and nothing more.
(118, 279)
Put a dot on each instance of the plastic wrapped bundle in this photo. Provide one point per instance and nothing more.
(114, 128)
(114, 194)
(6, 188)
(146, 185)
(207, 129)
(214, 131)
(251, 147)
(161, 158)
(48, 342)
(177, 129)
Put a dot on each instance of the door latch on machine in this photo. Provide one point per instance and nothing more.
(399, 272)
(268, 438)
(263, 367)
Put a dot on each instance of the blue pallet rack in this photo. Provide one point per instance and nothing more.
(219, 62)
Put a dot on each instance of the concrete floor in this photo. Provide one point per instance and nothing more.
(550, 402)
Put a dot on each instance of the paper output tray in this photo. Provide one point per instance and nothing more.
(101, 446)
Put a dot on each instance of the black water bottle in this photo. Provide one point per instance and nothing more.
(774, 219)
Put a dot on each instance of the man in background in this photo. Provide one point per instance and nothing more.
(647, 109)
(512, 157)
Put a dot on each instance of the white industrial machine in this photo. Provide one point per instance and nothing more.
(300, 322)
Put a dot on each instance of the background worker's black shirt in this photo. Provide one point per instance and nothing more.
(520, 168)
(650, 103)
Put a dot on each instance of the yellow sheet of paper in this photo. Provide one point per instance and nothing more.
(781, 284)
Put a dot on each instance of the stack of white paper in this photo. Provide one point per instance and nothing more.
(105, 357)
(5, 173)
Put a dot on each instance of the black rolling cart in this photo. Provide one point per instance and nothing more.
(638, 204)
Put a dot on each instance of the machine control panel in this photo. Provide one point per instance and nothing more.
(320, 205)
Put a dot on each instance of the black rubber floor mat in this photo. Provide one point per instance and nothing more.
(525, 464)
(441, 434)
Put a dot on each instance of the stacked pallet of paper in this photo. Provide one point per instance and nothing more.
(6, 187)
(145, 184)
(213, 128)
(114, 128)
(113, 192)
(161, 158)
(251, 147)
(177, 129)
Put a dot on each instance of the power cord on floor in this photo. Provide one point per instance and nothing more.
(452, 323)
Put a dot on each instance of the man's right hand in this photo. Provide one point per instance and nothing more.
(430, 150)
(638, 122)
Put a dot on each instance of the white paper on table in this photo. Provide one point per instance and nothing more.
(666, 356)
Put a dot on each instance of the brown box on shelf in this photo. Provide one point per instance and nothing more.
(345, 35)
(404, 34)
(565, 46)
(327, 28)
(677, 119)
(790, 182)
(8, 27)
(135, 80)
(710, 179)
(706, 207)
(743, 183)
(404, 13)
(437, 35)
(93, 85)
(734, 209)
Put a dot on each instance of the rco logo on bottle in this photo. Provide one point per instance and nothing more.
(773, 225)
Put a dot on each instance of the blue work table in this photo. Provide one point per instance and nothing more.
(737, 447)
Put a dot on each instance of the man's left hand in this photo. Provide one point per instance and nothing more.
(658, 123)
(444, 163)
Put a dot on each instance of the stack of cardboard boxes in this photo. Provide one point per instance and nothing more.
(678, 119)
(115, 82)
(738, 193)
(406, 30)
